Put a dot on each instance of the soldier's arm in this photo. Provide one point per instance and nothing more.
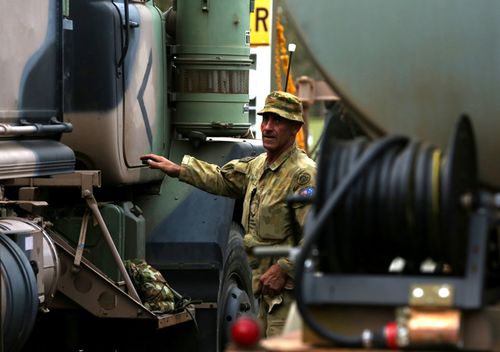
(228, 180)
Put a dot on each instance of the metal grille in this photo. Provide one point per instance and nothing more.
(212, 81)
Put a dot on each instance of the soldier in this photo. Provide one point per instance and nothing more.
(264, 181)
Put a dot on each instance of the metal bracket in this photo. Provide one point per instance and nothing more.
(204, 5)
(81, 241)
(92, 204)
(86, 180)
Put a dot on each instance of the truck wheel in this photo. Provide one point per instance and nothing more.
(18, 295)
(235, 295)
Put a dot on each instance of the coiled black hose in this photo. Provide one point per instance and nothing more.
(407, 205)
(313, 231)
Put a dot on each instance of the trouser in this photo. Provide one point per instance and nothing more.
(273, 321)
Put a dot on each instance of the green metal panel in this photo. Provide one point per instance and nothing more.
(220, 124)
(412, 67)
(211, 59)
(135, 232)
(215, 27)
(126, 228)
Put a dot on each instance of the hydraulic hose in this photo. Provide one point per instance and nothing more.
(312, 233)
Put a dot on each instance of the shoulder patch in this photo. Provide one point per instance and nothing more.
(304, 178)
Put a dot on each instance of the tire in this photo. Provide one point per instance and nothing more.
(18, 296)
(235, 295)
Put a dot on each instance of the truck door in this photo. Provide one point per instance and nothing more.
(144, 80)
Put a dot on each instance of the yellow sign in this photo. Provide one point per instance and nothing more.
(260, 23)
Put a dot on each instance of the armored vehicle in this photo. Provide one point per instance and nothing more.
(88, 86)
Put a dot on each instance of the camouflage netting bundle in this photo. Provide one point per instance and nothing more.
(153, 289)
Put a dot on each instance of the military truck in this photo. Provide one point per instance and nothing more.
(88, 86)
(402, 247)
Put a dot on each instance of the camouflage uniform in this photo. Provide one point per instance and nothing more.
(266, 217)
(153, 289)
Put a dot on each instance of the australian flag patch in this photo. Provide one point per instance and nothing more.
(306, 192)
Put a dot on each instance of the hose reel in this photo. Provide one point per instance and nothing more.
(387, 199)
(407, 205)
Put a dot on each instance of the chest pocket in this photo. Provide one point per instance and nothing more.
(273, 218)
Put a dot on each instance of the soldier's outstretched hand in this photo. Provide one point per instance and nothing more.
(161, 163)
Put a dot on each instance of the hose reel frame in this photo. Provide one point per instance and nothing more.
(407, 205)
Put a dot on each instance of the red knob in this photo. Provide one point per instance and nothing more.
(246, 332)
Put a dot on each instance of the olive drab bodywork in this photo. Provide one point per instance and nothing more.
(88, 86)
(405, 222)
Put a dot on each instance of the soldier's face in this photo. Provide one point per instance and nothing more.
(277, 133)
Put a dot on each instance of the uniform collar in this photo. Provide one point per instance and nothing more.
(284, 156)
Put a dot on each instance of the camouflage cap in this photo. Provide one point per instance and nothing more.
(283, 104)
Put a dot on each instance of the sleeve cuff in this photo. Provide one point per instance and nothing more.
(186, 160)
(287, 266)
